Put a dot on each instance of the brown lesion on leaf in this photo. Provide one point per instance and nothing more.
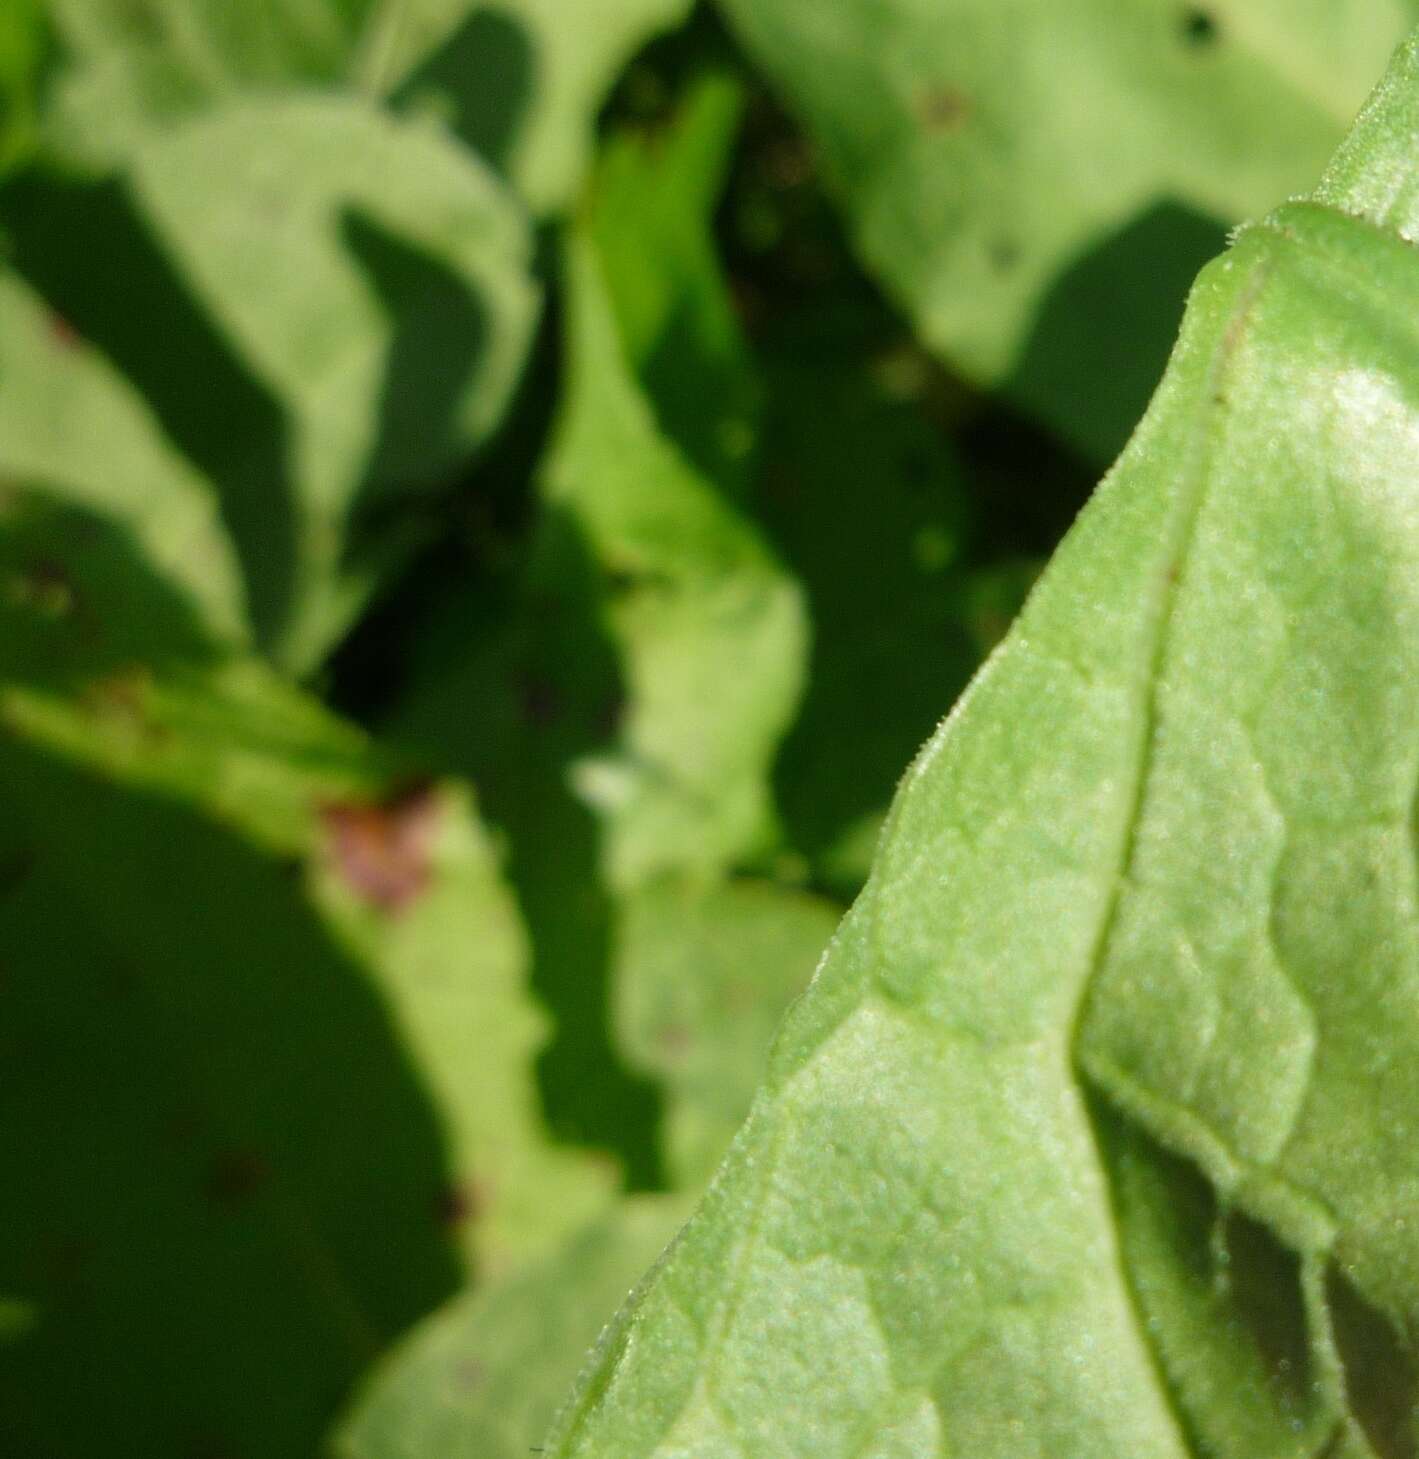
(1004, 254)
(62, 331)
(45, 588)
(383, 850)
(469, 1375)
(121, 699)
(539, 700)
(458, 1204)
(941, 107)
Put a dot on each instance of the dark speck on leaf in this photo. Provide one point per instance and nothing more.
(1199, 28)
(457, 1204)
(383, 850)
(943, 109)
(62, 332)
(541, 703)
(1004, 255)
(235, 1177)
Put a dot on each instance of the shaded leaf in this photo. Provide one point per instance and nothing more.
(709, 629)
(70, 424)
(865, 499)
(267, 1119)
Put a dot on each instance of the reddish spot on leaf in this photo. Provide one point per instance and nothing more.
(383, 851)
(45, 588)
(457, 1204)
(62, 332)
(236, 1176)
(121, 700)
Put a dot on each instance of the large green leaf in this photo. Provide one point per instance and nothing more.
(266, 1039)
(1096, 1132)
(337, 310)
(982, 149)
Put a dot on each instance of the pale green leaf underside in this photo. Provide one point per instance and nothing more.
(982, 147)
(1150, 889)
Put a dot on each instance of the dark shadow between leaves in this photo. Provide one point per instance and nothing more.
(540, 691)
(231, 1172)
(438, 342)
(480, 81)
(77, 601)
(1381, 1376)
(1102, 335)
(864, 502)
(85, 248)
(706, 400)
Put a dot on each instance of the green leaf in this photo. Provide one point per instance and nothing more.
(266, 1035)
(338, 309)
(71, 424)
(1108, 1074)
(482, 1379)
(621, 710)
(709, 629)
(520, 82)
(651, 216)
(703, 976)
(981, 152)
(131, 69)
(23, 51)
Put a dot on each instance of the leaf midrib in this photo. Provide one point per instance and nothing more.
(1211, 409)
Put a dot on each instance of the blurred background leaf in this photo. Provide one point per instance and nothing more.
(248, 958)
(984, 151)
(336, 306)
